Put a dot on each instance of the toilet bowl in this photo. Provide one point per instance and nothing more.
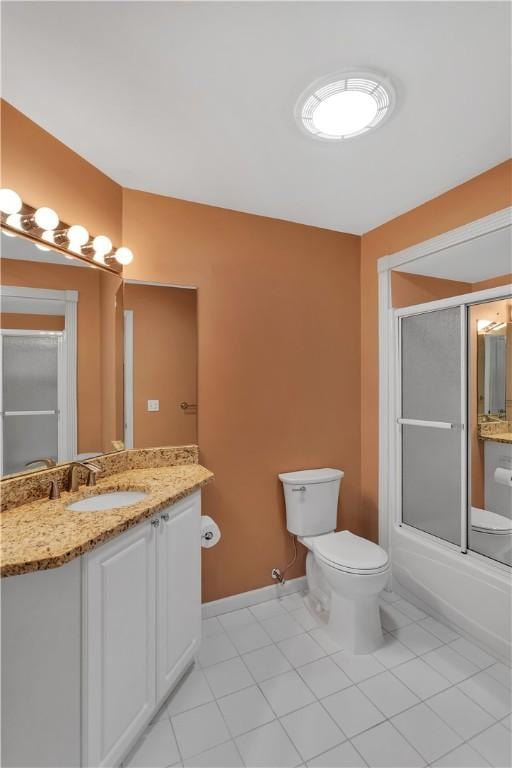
(491, 535)
(345, 572)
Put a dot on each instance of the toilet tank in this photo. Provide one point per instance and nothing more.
(311, 498)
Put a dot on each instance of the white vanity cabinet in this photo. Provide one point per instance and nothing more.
(141, 626)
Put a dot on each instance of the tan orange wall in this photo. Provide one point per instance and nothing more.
(407, 289)
(489, 192)
(46, 172)
(164, 363)
(279, 366)
(32, 322)
(494, 282)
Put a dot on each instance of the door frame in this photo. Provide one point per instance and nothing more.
(128, 378)
(43, 301)
(389, 405)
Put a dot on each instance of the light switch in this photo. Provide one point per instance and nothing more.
(153, 405)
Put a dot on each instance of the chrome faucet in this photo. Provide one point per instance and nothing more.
(93, 471)
(47, 462)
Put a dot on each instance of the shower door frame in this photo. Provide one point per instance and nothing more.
(390, 470)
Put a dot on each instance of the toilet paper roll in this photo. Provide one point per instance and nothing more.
(503, 476)
(210, 532)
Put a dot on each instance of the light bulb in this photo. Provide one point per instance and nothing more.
(7, 233)
(14, 220)
(10, 201)
(48, 236)
(99, 258)
(75, 246)
(77, 235)
(124, 255)
(42, 247)
(46, 218)
(102, 245)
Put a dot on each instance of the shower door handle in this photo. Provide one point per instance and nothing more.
(434, 424)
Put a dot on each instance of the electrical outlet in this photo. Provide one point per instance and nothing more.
(153, 405)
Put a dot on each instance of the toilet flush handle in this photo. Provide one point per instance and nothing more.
(300, 488)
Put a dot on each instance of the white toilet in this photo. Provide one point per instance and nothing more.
(345, 572)
(491, 535)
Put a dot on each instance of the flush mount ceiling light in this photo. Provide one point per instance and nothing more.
(345, 105)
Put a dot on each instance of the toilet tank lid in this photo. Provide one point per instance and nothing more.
(306, 476)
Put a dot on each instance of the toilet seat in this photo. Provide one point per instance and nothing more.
(347, 552)
(483, 521)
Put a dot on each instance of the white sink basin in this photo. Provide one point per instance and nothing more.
(103, 501)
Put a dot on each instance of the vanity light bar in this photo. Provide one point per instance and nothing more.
(43, 225)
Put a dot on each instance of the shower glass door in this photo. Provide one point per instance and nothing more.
(30, 413)
(432, 423)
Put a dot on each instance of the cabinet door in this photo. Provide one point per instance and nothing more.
(119, 674)
(178, 590)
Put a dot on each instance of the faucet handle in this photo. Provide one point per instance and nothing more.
(94, 471)
(54, 492)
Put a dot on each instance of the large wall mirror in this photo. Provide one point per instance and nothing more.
(62, 357)
(89, 363)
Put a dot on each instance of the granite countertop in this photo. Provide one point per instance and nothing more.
(497, 437)
(42, 534)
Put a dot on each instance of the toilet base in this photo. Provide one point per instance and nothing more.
(355, 624)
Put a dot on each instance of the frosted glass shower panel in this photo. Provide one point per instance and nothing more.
(431, 422)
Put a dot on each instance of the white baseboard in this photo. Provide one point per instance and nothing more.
(255, 596)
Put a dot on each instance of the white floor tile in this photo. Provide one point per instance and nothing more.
(301, 649)
(245, 710)
(224, 756)
(438, 629)
(352, 711)
(417, 639)
(392, 618)
(266, 662)
(286, 692)
(325, 641)
(384, 747)
(410, 610)
(312, 730)
(249, 637)
(489, 694)
(507, 722)
(191, 692)
(266, 610)
(392, 652)
(282, 626)
(426, 732)
(305, 618)
(199, 729)
(237, 618)
(211, 627)
(228, 677)
(157, 748)
(495, 745)
(421, 678)
(343, 756)
(473, 653)
(388, 694)
(268, 746)
(324, 677)
(462, 757)
(216, 648)
(292, 602)
(450, 664)
(358, 667)
(502, 673)
(389, 597)
(460, 713)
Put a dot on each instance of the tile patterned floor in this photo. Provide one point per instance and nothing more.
(270, 688)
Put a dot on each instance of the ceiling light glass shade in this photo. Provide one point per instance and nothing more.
(345, 106)
(46, 218)
(77, 235)
(124, 255)
(14, 220)
(10, 201)
(102, 245)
